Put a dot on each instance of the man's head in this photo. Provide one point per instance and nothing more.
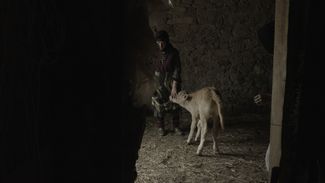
(162, 39)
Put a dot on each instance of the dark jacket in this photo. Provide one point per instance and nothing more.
(168, 68)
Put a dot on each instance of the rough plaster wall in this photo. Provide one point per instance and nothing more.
(218, 45)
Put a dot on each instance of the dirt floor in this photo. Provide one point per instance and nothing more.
(169, 159)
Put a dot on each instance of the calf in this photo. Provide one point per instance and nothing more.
(204, 105)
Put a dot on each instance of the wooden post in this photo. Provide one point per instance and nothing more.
(279, 79)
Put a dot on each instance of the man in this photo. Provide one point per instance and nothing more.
(168, 78)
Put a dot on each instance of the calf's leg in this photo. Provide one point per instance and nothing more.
(204, 130)
(198, 131)
(214, 136)
(193, 125)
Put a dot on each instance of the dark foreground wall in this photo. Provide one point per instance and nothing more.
(62, 93)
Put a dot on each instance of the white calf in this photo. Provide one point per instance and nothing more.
(204, 105)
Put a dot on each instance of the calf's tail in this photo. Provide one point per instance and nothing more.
(217, 98)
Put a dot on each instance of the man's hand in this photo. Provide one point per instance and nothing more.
(170, 3)
(173, 93)
(262, 99)
(258, 99)
(170, 98)
(157, 73)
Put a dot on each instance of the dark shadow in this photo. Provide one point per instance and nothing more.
(233, 154)
(239, 155)
(208, 155)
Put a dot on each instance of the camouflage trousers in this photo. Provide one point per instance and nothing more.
(162, 106)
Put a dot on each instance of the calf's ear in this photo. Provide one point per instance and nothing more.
(185, 96)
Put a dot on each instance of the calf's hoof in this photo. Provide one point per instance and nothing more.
(199, 153)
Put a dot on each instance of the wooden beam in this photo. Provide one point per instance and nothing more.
(279, 79)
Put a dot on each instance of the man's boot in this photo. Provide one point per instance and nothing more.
(161, 127)
(176, 128)
(161, 131)
(178, 131)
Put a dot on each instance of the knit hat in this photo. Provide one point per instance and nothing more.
(162, 36)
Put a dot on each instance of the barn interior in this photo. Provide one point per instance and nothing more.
(226, 44)
(76, 80)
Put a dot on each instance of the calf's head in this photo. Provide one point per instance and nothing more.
(180, 98)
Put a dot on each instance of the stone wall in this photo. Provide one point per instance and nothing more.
(218, 45)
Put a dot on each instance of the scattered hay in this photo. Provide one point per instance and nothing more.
(169, 159)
